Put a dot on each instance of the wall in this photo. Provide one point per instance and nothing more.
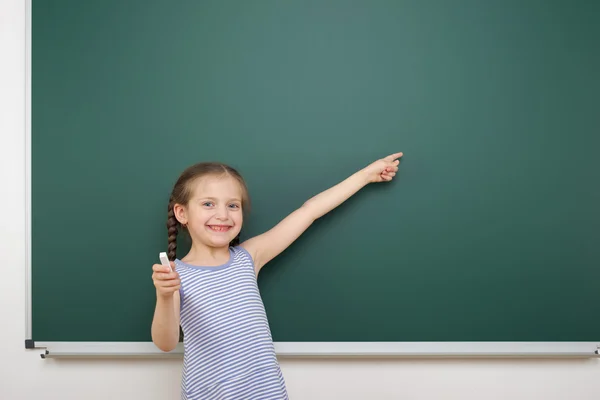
(24, 375)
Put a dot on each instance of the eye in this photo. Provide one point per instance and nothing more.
(236, 206)
(207, 203)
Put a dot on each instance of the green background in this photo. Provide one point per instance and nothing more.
(490, 231)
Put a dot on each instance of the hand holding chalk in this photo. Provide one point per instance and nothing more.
(165, 278)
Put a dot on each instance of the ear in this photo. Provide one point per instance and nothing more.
(180, 213)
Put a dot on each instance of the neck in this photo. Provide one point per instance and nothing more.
(201, 254)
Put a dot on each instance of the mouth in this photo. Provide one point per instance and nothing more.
(219, 228)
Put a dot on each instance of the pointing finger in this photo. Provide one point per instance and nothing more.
(394, 156)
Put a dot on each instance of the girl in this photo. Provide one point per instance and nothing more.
(212, 292)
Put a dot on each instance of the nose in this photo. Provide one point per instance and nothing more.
(222, 213)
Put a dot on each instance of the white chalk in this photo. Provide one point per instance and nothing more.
(164, 260)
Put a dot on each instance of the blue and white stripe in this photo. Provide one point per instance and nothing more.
(228, 348)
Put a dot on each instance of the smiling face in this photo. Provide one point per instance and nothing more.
(213, 215)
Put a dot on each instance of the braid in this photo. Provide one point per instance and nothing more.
(172, 231)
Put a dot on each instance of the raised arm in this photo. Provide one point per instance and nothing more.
(263, 248)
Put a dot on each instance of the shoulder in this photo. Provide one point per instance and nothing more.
(243, 255)
(240, 252)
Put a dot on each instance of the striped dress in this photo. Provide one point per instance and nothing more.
(228, 349)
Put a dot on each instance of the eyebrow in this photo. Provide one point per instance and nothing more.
(214, 198)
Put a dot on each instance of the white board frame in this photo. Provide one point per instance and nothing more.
(283, 349)
(342, 350)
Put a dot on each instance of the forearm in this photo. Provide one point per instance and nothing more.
(165, 327)
(329, 199)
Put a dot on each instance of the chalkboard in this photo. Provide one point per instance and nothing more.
(489, 232)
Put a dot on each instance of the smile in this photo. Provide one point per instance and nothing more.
(219, 228)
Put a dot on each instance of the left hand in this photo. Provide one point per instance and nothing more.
(383, 169)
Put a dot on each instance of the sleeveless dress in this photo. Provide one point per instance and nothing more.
(228, 348)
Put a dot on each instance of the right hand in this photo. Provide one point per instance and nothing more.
(166, 282)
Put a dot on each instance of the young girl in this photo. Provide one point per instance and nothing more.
(212, 291)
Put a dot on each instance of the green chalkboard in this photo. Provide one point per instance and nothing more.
(490, 231)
